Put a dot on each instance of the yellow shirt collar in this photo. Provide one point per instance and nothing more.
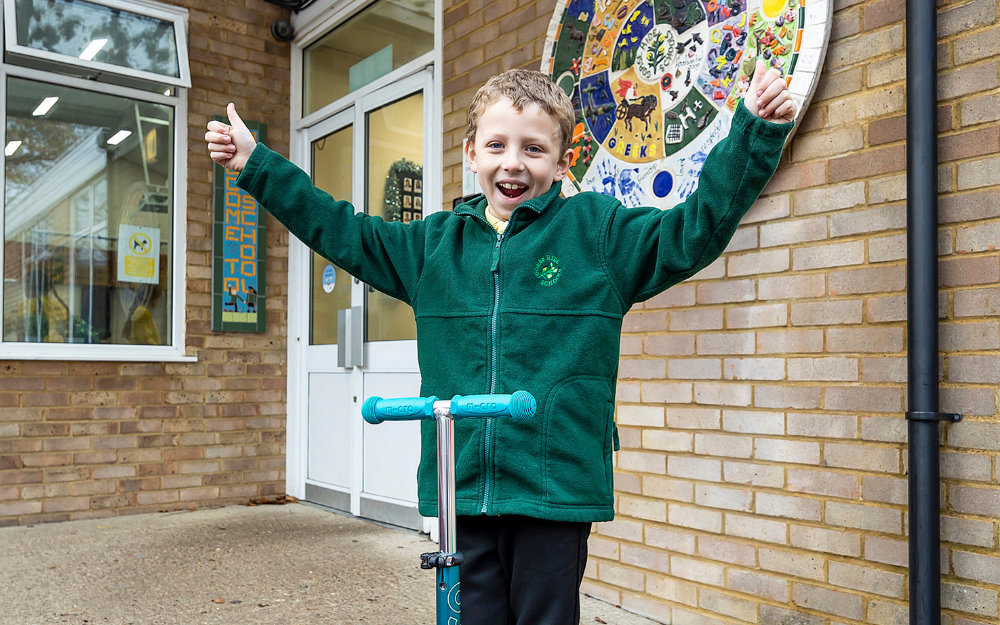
(498, 224)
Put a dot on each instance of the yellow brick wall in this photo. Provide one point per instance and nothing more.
(91, 439)
(762, 475)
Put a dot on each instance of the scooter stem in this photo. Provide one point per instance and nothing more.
(446, 475)
(449, 611)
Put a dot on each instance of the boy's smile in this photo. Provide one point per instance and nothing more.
(516, 155)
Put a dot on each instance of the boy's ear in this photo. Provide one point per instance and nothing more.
(470, 156)
(563, 167)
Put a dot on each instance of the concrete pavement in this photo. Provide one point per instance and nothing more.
(291, 564)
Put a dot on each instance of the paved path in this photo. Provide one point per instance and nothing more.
(292, 564)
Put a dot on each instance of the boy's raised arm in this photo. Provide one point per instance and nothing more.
(386, 255)
(675, 244)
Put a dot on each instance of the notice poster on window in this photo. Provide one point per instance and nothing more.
(239, 240)
(138, 254)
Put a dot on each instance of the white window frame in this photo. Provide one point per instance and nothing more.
(26, 55)
(176, 351)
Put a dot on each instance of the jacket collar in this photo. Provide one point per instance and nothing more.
(477, 204)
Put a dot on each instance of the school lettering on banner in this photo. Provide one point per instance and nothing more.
(238, 254)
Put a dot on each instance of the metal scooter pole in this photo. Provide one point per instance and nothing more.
(448, 598)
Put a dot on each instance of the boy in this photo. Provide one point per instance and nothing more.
(521, 289)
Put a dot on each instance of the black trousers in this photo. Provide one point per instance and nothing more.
(521, 571)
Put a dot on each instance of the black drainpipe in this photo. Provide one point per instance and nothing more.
(921, 313)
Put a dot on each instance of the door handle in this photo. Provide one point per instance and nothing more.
(343, 322)
(357, 336)
(350, 337)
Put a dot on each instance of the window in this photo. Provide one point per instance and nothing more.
(383, 37)
(93, 195)
(132, 43)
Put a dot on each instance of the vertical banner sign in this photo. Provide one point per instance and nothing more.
(239, 238)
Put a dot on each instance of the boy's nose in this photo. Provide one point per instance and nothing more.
(512, 162)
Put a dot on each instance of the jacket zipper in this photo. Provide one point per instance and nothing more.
(493, 362)
(495, 268)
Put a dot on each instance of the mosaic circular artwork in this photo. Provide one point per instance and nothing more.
(655, 82)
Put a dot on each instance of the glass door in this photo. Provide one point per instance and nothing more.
(362, 342)
(394, 120)
(329, 290)
(394, 181)
(330, 286)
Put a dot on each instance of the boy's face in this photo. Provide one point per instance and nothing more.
(516, 155)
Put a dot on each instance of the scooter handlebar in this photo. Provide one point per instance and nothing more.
(375, 410)
(520, 405)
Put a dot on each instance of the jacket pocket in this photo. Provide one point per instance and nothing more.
(577, 438)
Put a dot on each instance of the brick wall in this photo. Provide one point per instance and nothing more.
(482, 39)
(762, 474)
(91, 439)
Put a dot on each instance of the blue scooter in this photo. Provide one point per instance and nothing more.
(521, 405)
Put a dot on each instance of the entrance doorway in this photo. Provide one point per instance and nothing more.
(347, 341)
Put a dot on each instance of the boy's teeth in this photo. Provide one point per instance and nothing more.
(512, 189)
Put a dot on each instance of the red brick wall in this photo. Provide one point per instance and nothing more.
(82, 439)
(762, 475)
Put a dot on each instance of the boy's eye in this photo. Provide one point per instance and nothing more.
(534, 148)
(494, 145)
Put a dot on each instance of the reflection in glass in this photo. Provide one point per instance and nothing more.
(395, 164)
(385, 36)
(90, 31)
(68, 196)
(330, 286)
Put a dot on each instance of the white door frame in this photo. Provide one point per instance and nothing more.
(310, 25)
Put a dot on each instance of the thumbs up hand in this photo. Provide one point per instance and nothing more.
(230, 145)
(767, 96)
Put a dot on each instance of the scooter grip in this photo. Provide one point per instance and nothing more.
(521, 405)
(375, 410)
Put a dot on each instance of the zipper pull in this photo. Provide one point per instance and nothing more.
(496, 253)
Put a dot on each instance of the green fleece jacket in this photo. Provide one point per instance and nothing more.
(538, 308)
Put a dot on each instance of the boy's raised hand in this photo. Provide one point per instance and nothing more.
(230, 145)
(767, 96)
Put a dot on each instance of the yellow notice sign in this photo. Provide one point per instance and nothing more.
(138, 254)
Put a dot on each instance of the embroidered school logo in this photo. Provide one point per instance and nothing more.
(547, 270)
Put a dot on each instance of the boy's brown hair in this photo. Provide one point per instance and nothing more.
(524, 86)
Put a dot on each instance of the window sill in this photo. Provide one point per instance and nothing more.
(81, 352)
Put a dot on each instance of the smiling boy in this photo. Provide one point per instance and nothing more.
(521, 289)
(515, 150)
